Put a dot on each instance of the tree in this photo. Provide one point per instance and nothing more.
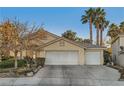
(78, 39)
(15, 33)
(15, 37)
(69, 35)
(103, 25)
(121, 26)
(113, 31)
(87, 41)
(96, 23)
(0, 46)
(72, 36)
(100, 23)
(89, 18)
(4, 37)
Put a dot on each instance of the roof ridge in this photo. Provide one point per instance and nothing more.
(50, 33)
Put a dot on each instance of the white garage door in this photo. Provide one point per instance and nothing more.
(61, 58)
(92, 58)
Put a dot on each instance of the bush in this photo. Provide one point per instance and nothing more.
(107, 57)
(29, 60)
(11, 63)
(7, 58)
(7, 64)
(40, 61)
(21, 63)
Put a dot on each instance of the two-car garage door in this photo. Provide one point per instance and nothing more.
(62, 58)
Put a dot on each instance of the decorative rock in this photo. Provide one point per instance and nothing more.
(121, 79)
(35, 71)
(30, 74)
(39, 67)
(108, 64)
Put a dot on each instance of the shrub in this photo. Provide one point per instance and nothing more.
(29, 60)
(107, 57)
(6, 57)
(40, 61)
(10, 63)
(7, 64)
(21, 63)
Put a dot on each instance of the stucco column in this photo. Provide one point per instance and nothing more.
(42, 53)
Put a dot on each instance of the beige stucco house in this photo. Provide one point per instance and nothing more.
(117, 55)
(61, 51)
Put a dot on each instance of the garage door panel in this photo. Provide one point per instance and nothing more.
(61, 58)
(92, 58)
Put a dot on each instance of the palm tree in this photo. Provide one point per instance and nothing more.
(113, 31)
(88, 18)
(96, 24)
(121, 27)
(104, 24)
(99, 16)
(100, 23)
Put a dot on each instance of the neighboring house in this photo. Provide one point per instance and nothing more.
(117, 56)
(61, 51)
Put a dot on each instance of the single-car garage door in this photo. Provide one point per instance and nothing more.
(92, 58)
(61, 58)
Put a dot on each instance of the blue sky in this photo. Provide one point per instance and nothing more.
(58, 20)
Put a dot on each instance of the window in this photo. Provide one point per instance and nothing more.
(61, 43)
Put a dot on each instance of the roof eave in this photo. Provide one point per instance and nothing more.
(98, 48)
(51, 42)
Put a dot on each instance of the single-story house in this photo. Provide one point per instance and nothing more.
(117, 55)
(61, 51)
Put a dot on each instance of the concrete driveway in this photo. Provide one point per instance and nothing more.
(69, 76)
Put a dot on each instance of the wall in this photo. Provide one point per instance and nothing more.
(122, 41)
(121, 55)
(115, 50)
(67, 47)
(48, 39)
(121, 59)
(116, 56)
(20, 54)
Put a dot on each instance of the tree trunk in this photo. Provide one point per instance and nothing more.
(16, 64)
(97, 37)
(21, 57)
(91, 38)
(26, 53)
(0, 58)
(101, 41)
